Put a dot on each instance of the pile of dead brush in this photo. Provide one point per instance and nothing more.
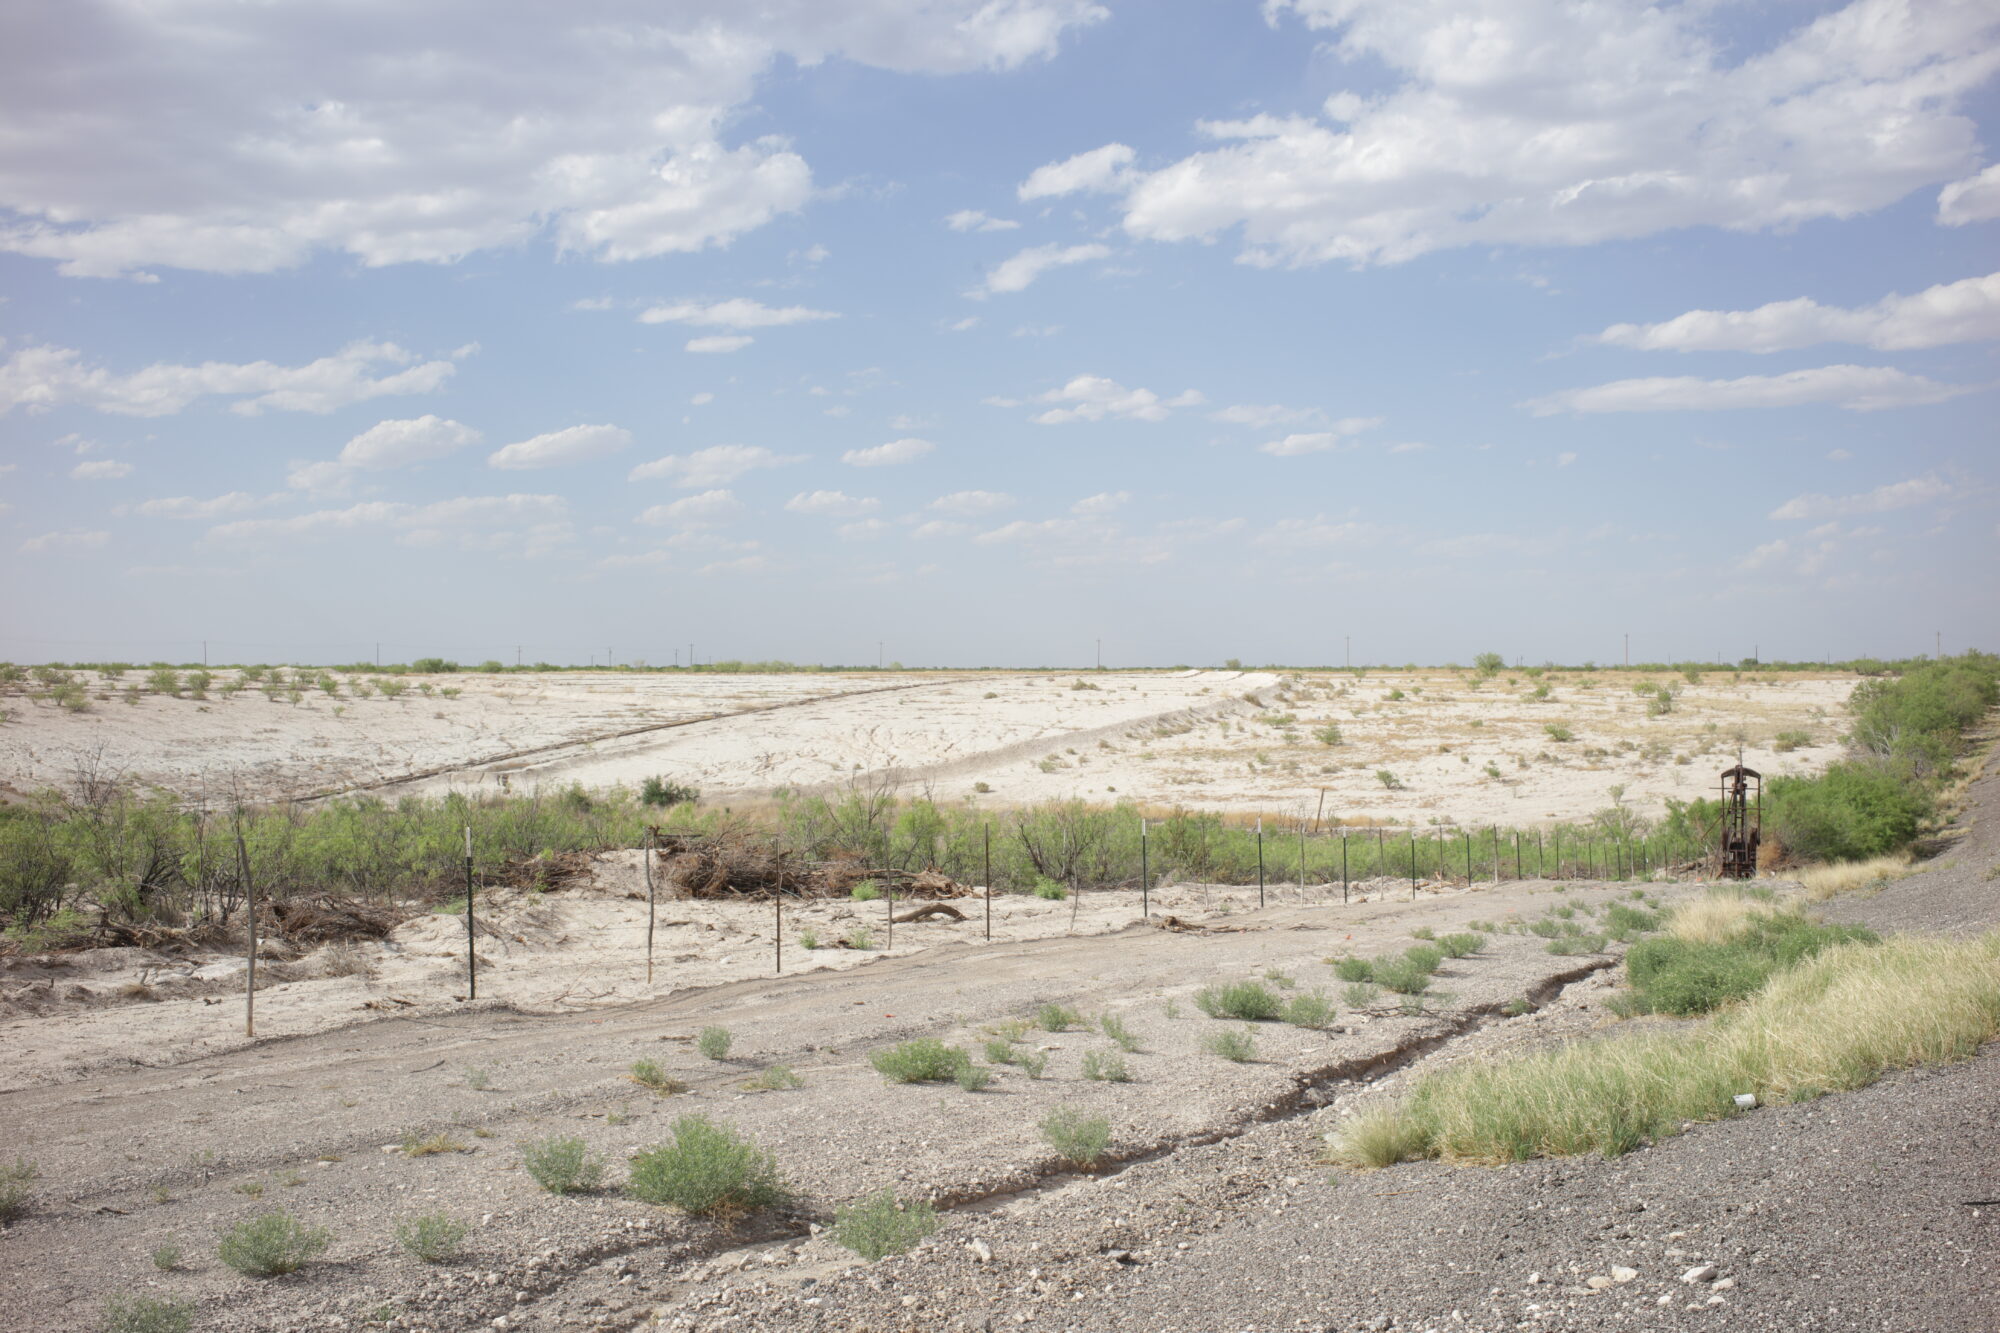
(704, 866)
(546, 873)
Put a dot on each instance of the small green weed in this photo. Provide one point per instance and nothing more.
(1235, 1047)
(707, 1168)
(882, 1224)
(1114, 1027)
(925, 1060)
(1057, 1018)
(1310, 1009)
(1079, 1138)
(653, 1075)
(271, 1244)
(778, 1078)
(146, 1314)
(434, 1238)
(1247, 1000)
(714, 1043)
(1105, 1067)
(562, 1165)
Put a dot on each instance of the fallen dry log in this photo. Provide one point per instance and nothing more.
(928, 911)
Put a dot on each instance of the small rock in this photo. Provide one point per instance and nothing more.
(1623, 1275)
(1666, 1298)
(980, 1250)
(1725, 1284)
(1534, 1279)
(1598, 1283)
(1699, 1273)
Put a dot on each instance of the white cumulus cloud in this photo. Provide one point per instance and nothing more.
(694, 511)
(1951, 312)
(1093, 398)
(1319, 441)
(720, 342)
(262, 135)
(717, 465)
(837, 504)
(971, 502)
(736, 313)
(101, 469)
(393, 444)
(1974, 199)
(1263, 414)
(1104, 502)
(39, 378)
(1855, 388)
(575, 444)
(888, 455)
(1895, 495)
(1546, 122)
(187, 506)
(1016, 272)
(971, 219)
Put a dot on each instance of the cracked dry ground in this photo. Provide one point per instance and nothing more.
(1844, 1213)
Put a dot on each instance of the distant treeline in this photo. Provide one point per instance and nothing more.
(442, 666)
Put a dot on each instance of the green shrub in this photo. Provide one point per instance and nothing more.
(434, 1238)
(1623, 922)
(1105, 1067)
(973, 1078)
(707, 1168)
(778, 1078)
(1670, 975)
(1057, 1018)
(925, 1060)
(562, 1165)
(1546, 928)
(16, 1186)
(1787, 741)
(652, 1074)
(664, 792)
(882, 1224)
(1328, 734)
(1311, 1009)
(1079, 1138)
(1461, 944)
(1851, 812)
(1247, 1000)
(809, 939)
(1114, 1027)
(1361, 994)
(270, 1244)
(867, 891)
(166, 1256)
(1579, 943)
(999, 1050)
(1423, 933)
(714, 1043)
(1405, 976)
(1354, 969)
(1556, 731)
(1233, 1046)
(146, 1314)
(860, 938)
(1050, 889)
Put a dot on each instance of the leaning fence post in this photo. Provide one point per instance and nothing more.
(1343, 869)
(250, 905)
(471, 957)
(650, 895)
(1145, 873)
(989, 880)
(1260, 860)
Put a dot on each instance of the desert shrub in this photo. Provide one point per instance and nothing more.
(1114, 1027)
(1579, 943)
(1057, 1018)
(1514, 1008)
(882, 1224)
(1388, 779)
(166, 1256)
(778, 1078)
(1461, 944)
(1233, 1046)
(562, 1165)
(809, 939)
(1546, 928)
(1556, 731)
(1787, 741)
(1248, 1000)
(1405, 975)
(146, 1314)
(1852, 811)
(973, 1078)
(1670, 975)
(434, 1238)
(1050, 889)
(1328, 734)
(1354, 969)
(1623, 922)
(16, 1186)
(1105, 1067)
(652, 1074)
(714, 1042)
(431, 1145)
(270, 1244)
(660, 791)
(1311, 1009)
(924, 1060)
(1361, 994)
(867, 891)
(1079, 1138)
(1427, 956)
(707, 1168)
(861, 939)
(1000, 1050)
(1423, 933)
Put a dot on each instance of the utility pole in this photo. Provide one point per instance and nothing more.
(378, 654)
(1100, 654)
(1628, 650)
(517, 654)
(880, 656)
(1350, 649)
(1940, 644)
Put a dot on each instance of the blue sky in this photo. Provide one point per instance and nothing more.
(987, 330)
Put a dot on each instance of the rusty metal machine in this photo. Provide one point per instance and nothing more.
(1742, 821)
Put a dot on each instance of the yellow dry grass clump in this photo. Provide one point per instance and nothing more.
(1837, 1021)
(1718, 916)
(1827, 881)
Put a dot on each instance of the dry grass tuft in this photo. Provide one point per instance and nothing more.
(1828, 881)
(1838, 1021)
(1718, 916)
